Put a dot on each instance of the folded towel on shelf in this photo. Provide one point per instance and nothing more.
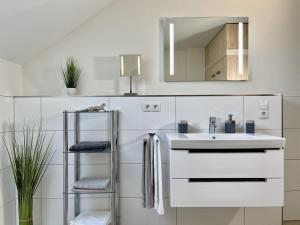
(88, 183)
(90, 146)
(92, 218)
(152, 175)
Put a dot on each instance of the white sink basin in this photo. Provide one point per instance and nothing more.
(224, 141)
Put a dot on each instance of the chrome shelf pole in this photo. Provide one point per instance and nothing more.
(65, 169)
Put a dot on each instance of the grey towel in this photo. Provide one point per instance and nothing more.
(90, 146)
(148, 173)
(87, 183)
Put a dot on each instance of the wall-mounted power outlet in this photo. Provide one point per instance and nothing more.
(151, 107)
(147, 107)
(156, 107)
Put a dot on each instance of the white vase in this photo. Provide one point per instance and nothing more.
(71, 91)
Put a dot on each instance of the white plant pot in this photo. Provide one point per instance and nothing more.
(71, 91)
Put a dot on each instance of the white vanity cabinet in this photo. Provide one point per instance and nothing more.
(226, 170)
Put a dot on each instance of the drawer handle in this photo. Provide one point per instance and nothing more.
(213, 75)
(219, 72)
(199, 151)
(206, 180)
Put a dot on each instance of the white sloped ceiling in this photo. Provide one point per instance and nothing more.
(28, 27)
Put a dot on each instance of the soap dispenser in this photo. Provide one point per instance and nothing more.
(230, 125)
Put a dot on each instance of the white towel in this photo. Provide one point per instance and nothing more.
(92, 218)
(158, 193)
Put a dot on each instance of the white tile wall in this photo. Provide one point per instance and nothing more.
(252, 111)
(135, 124)
(133, 117)
(291, 131)
(8, 214)
(197, 110)
(52, 109)
(27, 111)
(7, 187)
(6, 114)
(133, 214)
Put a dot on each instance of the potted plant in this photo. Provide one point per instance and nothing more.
(71, 74)
(29, 156)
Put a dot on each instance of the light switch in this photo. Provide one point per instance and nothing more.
(264, 105)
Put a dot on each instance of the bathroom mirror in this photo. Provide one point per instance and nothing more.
(204, 49)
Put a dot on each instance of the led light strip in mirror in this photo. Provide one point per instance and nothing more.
(172, 49)
(241, 49)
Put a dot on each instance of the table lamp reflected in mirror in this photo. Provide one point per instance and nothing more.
(130, 65)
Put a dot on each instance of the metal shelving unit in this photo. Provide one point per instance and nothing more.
(113, 187)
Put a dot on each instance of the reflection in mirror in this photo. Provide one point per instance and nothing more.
(199, 49)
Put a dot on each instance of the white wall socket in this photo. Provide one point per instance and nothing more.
(151, 107)
(156, 107)
(147, 107)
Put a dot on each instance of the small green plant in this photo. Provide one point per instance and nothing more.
(29, 156)
(71, 73)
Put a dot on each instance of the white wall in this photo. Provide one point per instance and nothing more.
(132, 26)
(11, 78)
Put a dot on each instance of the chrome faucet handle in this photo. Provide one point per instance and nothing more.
(212, 124)
(213, 120)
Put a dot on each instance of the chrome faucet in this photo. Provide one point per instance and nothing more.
(212, 125)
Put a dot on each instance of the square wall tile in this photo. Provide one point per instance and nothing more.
(277, 133)
(133, 117)
(4, 159)
(2, 222)
(197, 110)
(252, 111)
(7, 186)
(52, 211)
(132, 213)
(292, 175)
(131, 180)
(209, 216)
(263, 216)
(6, 113)
(52, 112)
(292, 149)
(291, 207)
(291, 111)
(8, 214)
(37, 211)
(27, 111)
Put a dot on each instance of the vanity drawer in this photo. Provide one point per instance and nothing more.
(189, 164)
(185, 193)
